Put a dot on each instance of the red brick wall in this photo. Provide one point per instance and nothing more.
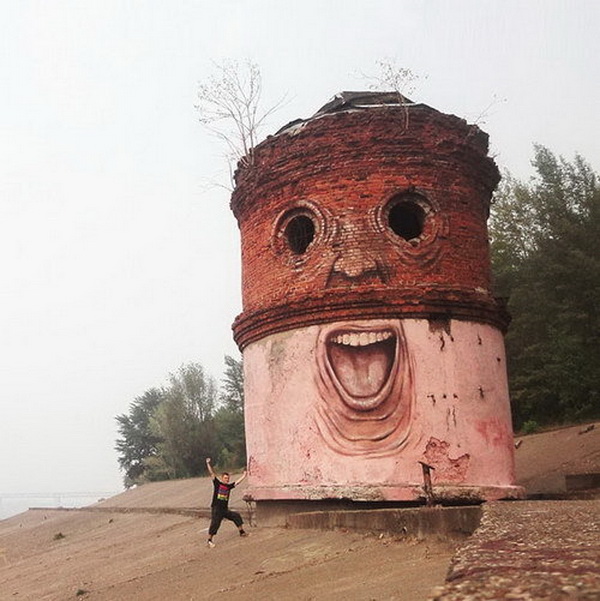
(343, 170)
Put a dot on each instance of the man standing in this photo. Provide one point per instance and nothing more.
(220, 503)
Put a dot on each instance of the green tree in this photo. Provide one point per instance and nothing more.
(184, 423)
(545, 259)
(138, 441)
(229, 419)
(232, 385)
(169, 432)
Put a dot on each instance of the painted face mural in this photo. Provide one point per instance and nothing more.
(363, 368)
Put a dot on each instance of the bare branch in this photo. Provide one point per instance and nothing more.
(393, 78)
(229, 106)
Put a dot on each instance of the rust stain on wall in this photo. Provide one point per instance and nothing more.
(437, 455)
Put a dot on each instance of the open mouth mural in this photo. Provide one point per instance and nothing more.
(361, 363)
(365, 381)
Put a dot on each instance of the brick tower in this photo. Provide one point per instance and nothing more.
(371, 341)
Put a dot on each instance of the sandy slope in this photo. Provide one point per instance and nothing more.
(54, 555)
(543, 459)
(163, 557)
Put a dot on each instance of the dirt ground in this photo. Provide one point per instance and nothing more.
(156, 557)
(60, 555)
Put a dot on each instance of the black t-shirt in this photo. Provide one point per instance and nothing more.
(221, 493)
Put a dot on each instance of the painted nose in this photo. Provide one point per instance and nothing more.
(355, 263)
(356, 260)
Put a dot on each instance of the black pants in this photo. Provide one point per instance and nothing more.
(218, 515)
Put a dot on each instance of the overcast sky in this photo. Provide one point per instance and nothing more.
(118, 262)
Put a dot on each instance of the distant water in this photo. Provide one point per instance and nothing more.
(15, 503)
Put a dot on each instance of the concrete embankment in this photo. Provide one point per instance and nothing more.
(529, 550)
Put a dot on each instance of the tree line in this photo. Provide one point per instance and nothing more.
(546, 263)
(169, 431)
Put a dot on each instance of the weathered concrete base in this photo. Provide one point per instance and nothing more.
(276, 513)
(421, 522)
(411, 519)
(387, 494)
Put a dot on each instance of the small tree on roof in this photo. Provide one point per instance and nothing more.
(229, 106)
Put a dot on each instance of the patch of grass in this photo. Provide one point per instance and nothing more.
(530, 426)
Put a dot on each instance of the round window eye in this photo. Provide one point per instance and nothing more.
(407, 219)
(299, 232)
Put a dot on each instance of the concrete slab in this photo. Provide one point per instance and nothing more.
(418, 522)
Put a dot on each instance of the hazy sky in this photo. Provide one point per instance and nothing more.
(118, 262)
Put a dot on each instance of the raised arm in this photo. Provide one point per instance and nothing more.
(210, 468)
(241, 478)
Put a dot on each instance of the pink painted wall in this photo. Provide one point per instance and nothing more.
(347, 410)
